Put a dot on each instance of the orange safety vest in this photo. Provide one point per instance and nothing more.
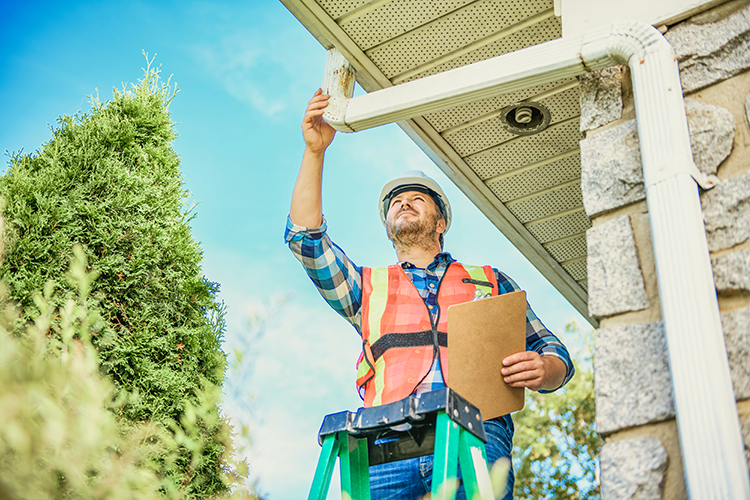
(399, 340)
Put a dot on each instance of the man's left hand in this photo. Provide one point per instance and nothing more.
(529, 369)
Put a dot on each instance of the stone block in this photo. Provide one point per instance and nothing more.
(601, 97)
(747, 108)
(711, 134)
(732, 271)
(611, 171)
(736, 325)
(712, 46)
(632, 382)
(614, 273)
(634, 469)
(726, 212)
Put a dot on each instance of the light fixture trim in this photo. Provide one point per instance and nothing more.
(538, 121)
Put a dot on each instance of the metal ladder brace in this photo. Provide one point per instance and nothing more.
(439, 422)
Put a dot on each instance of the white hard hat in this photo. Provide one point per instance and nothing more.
(414, 180)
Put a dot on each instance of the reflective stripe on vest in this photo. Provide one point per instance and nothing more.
(397, 333)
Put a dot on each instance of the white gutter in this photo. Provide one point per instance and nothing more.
(710, 437)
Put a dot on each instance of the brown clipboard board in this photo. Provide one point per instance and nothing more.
(480, 335)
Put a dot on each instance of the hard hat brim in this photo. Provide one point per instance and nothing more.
(414, 178)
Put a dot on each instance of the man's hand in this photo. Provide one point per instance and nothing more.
(529, 369)
(317, 133)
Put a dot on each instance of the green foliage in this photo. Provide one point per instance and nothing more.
(556, 446)
(109, 180)
(58, 440)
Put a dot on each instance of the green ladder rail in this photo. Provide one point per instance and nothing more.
(439, 422)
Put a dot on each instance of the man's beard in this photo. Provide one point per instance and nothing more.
(414, 232)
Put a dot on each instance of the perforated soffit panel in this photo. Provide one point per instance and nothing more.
(527, 185)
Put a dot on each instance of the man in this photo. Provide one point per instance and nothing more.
(397, 310)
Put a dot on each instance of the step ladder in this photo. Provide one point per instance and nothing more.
(439, 422)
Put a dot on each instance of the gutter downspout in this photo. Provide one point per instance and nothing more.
(710, 437)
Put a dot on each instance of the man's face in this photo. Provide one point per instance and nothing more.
(413, 219)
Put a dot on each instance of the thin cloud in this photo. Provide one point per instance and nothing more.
(304, 370)
(298, 366)
(260, 69)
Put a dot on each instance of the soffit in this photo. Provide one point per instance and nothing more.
(528, 186)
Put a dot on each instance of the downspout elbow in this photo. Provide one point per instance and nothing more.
(660, 109)
(625, 42)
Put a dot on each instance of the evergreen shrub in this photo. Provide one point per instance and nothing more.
(110, 181)
(57, 439)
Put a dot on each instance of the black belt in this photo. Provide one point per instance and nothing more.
(416, 339)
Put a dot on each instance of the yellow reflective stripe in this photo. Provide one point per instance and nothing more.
(378, 301)
(477, 273)
(379, 381)
(362, 369)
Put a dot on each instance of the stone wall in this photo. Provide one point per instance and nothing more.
(641, 457)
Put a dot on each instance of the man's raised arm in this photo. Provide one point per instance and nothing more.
(306, 209)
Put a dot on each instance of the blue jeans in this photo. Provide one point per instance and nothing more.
(411, 479)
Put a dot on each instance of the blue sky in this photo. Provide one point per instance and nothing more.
(245, 71)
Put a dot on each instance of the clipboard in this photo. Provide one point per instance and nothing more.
(480, 335)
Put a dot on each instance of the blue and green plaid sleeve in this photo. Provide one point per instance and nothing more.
(538, 338)
(336, 277)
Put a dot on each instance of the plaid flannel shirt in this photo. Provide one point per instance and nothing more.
(339, 281)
